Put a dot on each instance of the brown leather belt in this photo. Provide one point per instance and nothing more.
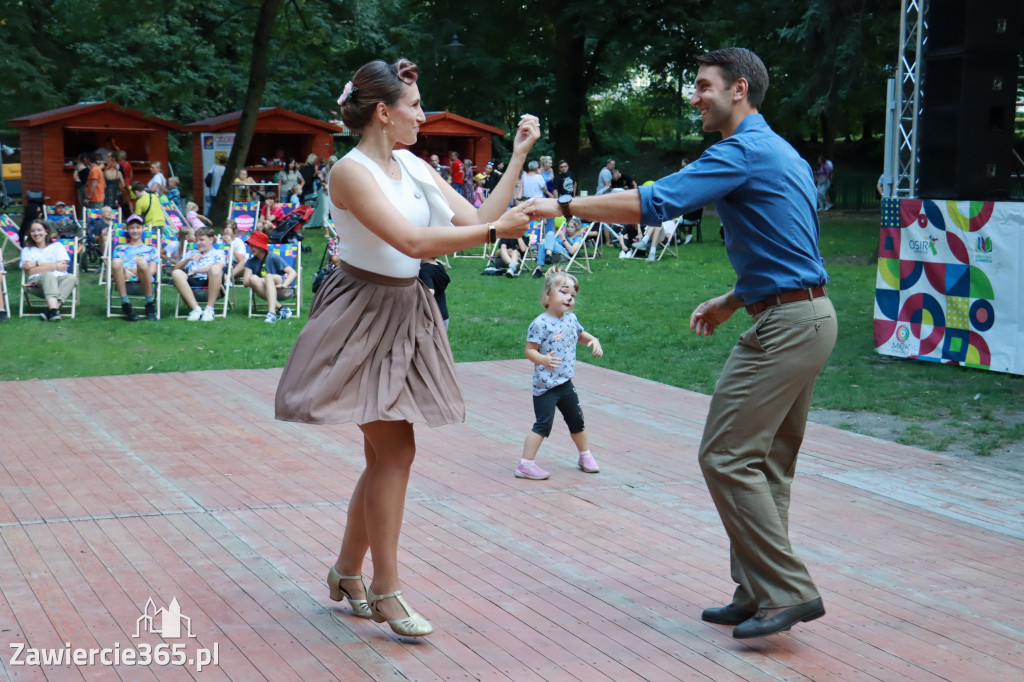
(787, 297)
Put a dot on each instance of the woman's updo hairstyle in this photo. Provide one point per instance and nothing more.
(376, 82)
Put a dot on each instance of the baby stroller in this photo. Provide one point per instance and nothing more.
(289, 230)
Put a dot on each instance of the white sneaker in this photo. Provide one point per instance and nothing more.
(195, 314)
(208, 314)
(622, 254)
(284, 313)
(689, 238)
(271, 318)
(653, 255)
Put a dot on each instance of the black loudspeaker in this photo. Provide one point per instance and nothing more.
(968, 96)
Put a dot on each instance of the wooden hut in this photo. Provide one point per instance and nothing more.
(52, 140)
(444, 131)
(280, 134)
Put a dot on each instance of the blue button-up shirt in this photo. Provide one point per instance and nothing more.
(764, 193)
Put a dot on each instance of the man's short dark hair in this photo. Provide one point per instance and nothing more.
(739, 62)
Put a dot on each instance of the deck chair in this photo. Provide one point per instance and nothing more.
(3, 292)
(175, 217)
(692, 221)
(9, 235)
(286, 209)
(32, 294)
(201, 293)
(105, 258)
(533, 240)
(245, 214)
(292, 256)
(70, 213)
(664, 238)
(91, 214)
(582, 256)
(132, 288)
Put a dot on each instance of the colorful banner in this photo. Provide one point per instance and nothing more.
(949, 284)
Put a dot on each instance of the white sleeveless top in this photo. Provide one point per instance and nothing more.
(413, 198)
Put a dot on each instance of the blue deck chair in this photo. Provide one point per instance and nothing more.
(292, 256)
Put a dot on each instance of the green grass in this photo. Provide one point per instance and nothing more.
(639, 310)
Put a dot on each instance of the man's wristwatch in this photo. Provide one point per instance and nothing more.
(563, 203)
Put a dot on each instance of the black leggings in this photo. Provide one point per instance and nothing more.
(563, 397)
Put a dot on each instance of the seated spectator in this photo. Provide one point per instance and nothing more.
(202, 267)
(239, 251)
(46, 263)
(269, 276)
(508, 258)
(60, 214)
(557, 246)
(99, 228)
(135, 262)
(271, 210)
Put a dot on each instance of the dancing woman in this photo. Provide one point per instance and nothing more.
(374, 350)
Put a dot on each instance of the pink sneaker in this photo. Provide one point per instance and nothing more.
(531, 471)
(589, 464)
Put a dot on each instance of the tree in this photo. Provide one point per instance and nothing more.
(250, 110)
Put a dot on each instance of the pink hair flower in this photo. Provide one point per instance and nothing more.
(347, 93)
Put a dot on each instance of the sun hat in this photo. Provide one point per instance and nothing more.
(259, 240)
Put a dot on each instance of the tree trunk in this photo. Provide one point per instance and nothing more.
(250, 109)
(568, 102)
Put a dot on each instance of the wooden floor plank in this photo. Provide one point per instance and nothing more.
(578, 577)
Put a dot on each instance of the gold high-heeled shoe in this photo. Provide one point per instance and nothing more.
(413, 625)
(360, 607)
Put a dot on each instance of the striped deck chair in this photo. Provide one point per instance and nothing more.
(132, 288)
(175, 217)
(245, 214)
(201, 293)
(292, 256)
(32, 294)
(3, 292)
(91, 214)
(50, 213)
(9, 235)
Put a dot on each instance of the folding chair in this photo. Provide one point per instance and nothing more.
(692, 220)
(105, 258)
(292, 256)
(90, 214)
(202, 293)
(286, 209)
(584, 260)
(9, 234)
(175, 217)
(533, 240)
(132, 287)
(70, 213)
(668, 242)
(28, 291)
(245, 214)
(3, 292)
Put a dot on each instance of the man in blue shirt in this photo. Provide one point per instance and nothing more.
(765, 195)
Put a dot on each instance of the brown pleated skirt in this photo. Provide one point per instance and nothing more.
(374, 348)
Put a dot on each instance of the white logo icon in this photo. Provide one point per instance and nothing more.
(164, 622)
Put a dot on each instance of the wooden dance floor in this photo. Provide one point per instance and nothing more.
(208, 503)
